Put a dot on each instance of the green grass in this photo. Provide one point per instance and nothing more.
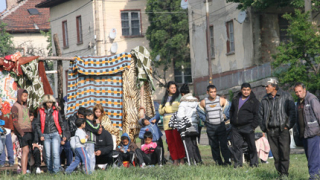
(298, 170)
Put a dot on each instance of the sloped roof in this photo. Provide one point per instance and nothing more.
(19, 20)
(50, 3)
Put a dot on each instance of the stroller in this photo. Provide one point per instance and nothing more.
(245, 148)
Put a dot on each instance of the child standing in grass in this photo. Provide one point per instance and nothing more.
(92, 129)
(81, 154)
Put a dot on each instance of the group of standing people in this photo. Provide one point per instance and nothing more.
(182, 114)
(276, 114)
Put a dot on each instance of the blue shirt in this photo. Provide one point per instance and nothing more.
(242, 101)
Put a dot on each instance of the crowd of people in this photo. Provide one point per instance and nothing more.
(82, 137)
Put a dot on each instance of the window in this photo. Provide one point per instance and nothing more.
(130, 21)
(283, 26)
(182, 74)
(230, 34)
(212, 41)
(33, 11)
(79, 30)
(65, 34)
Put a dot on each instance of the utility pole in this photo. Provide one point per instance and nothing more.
(59, 71)
(307, 7)
(208, 44)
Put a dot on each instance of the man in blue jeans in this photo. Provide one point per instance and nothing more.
(308, 111)
(7, 141)
(7, 144)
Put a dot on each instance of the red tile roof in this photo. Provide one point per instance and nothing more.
(19, 20)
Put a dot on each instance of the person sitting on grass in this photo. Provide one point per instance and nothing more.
(81, 154)
(104, 148)
(151, 125)
(126, 149)
(150, 153)
(92, 129)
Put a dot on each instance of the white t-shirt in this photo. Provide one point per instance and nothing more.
(82, 135)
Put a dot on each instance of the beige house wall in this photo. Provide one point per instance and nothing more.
(68, 11)
(30, 44)
(220, 13)
(96, 27)
(228, 69)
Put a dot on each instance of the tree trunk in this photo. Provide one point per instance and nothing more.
(59, 72)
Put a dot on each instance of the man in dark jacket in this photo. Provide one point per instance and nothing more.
(277, 115)
(65, 145)
(72, 120)
(103, 147)
(308, 118)
(35, 144)
(244, 120)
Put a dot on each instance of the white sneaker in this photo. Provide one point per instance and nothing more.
(143, 165)
(38, 170)
(28, 171)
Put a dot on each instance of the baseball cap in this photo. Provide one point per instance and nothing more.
(272, 81)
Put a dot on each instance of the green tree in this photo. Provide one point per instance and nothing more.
(49, 40)
(299, 59)
(49, 63)
(263, 4)
(6, 45)
(168, 35)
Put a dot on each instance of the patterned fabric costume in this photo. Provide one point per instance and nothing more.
(98, 80)
(143, 66)
(114, 83)
(106, 123)
(32, 83)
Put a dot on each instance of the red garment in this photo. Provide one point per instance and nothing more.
(175, 144)
(43, 76)
(8, 65)
(14, 62)
(8, 121)
(55, 115)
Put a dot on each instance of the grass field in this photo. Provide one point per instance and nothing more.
(298, 170)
